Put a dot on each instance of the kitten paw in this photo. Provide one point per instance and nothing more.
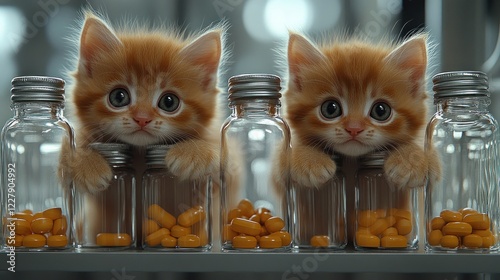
(311, 168)
(92, 172)
(406, 168)
(192, 160)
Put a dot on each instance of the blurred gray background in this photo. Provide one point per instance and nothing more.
(464, 33)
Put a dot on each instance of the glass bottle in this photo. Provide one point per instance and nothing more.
(319, 214)
(35, 208)
(176, 213)
(386, 216)
(462, 196)
(106, 220)
(254, 167)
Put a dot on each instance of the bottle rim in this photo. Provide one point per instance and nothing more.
(37, 88)
(252, 86)
(460, 84)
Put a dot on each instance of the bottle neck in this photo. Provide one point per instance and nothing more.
(477, 104)
(255, 107)
(50, 110)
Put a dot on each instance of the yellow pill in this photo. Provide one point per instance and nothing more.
(390, 231)
(270, 242)
(437, 223)
(367, 218)
(255, 218)
(379, 226)
(449, 241)
(178, 231)
(403, 226)
(467, 210)
(488, 241)
(482, 232)
(192, 216)
(150, 226)
(244, 242)
(169, 241)
(274, 224)
(246, 207)
(393, 241)
(477, 220)
(189, 241)
(24, 216)
(320, 241)
(42, 225)
(245, 226)
(38, 215)
(264, 217)
(229, 234)
(457, 228)
(451, 216)
(367, 240)
(22, 227)
(154, 239)
(402, 214)
(391, 220)
(53, 213)
(286, 238)
(60, 226)
(472, 241)
(18, 241)
(234, 213)
(34, 241)
(434, 237)
(161, 216)
(57, 241)
(113, 239)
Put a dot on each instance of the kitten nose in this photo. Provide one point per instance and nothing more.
(354, 130)
(142, 121)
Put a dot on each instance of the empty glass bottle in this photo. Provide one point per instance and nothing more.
(462, 196)
(254, 167)
(35, 207)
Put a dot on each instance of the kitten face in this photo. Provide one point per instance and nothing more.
(145, 88)
(353, 97)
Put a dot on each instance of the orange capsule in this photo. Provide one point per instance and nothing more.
(18, 241)
(390, 231)
(467, 210)
(472, 241)
(22, 227)
(488, 241)
(366, 218)
(38, 215)
(192, 216)
(244, 242)
(286, 238)
(245, 226)
(234, 213)
(482, 232)
(169, 241)
(161, 216)
(113, 239)
(402, 214)
(228, 232)
(274, 224)
(261, 210)
(42, 225)
(57, 241)
(381, 213)
(28, 211)
(449, 241)
(53, 213)
(320, 241)
(391, 220)
(154, 239)
(255, 218)
(437, 223)
(477, 220)
(379, 226)
(246, 207)
(189, 241)
(451, 216)
(403, 226)
(457, 229)
(270, 242)
(367, 240)
(178, 231)
(150, 226)
(24, 216)
(264, 217)
(60, 226)
(393, 241)
(34, 241)
(434, 237)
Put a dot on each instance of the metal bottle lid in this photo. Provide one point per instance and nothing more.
(155, 154)
(254, 86)
(114, 153)
(460, 84)
(37, 88)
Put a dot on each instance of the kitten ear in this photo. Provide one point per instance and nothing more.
(96, 38)
(301, 52)
(205, 52)
(411, 56)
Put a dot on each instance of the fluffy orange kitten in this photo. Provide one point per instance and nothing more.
(146, 87)
(353, 97)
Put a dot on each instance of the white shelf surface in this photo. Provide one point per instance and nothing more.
(347, 261)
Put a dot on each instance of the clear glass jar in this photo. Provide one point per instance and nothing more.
(176, 213)
(462, 196)
(106, 220)
(35, 206)
(386, 216)
(319, 215)
(254, 167)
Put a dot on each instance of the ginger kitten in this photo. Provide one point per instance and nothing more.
(353, 97)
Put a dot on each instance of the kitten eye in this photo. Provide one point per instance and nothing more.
(380, 111)
(331, 109)
(169, 102)
(119, 97)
